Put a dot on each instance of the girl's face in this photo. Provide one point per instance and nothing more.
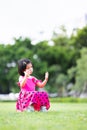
(29, 68)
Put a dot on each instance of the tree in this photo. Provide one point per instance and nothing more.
(81, 71)
(10, 54)
(61, 82)
(81, 39)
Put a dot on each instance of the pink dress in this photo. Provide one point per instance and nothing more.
(28, 96)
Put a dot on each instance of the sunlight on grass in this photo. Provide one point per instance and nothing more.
(61, 116)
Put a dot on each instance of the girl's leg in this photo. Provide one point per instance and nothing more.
(30, 108)
(41, 101)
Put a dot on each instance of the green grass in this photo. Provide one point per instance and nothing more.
(61, 116)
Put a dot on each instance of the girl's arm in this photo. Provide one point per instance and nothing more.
(42, 84)
(23, 81)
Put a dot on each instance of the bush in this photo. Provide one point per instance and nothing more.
(69, 100)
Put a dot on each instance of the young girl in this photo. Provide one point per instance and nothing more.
(29, 99)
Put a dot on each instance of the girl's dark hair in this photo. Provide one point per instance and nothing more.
(22, 65)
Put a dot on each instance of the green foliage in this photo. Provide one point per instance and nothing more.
(81, 71)
(81, 38)
(10, 54)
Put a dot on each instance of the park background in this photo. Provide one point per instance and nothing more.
(64, 57)
(52, 34)
(63, 54)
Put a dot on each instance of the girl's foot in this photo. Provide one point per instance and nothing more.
(43, 109)
(30, 109)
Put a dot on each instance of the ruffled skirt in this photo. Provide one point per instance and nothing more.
(35, 98)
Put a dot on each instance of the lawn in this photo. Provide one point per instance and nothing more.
(61, 116)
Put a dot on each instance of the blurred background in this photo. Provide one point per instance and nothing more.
(53, 35)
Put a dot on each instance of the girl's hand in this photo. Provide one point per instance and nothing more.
(27, 73)
(42, 84)
(46, 75)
